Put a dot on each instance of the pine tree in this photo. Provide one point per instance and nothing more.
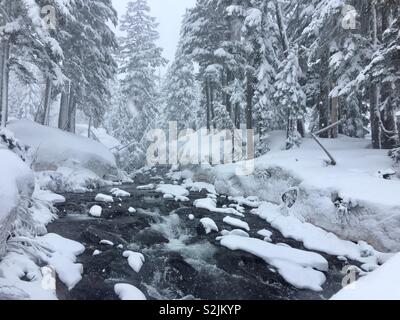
(26, 40)
(181, 93)
(88, 43)
(139, 59)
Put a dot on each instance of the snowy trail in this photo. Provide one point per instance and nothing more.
(177, 259)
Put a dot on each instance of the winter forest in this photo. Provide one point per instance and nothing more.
(261, 162)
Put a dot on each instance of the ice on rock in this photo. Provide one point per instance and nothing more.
(252, 202)
(96, 252)
(128, 292)
(209, 225)
(119, 193)
(199, 186)
(96, 211)
(176, 192)
(237, 223)
(236, 232)
(211, 205)
(135, 260)
(132, 210)
(300, 268)
(103, 198)
(146, 187)
(266, 234)
(106, 243)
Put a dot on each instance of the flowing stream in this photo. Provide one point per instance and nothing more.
(182, 262)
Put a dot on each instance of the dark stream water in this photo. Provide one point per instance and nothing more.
(182, 262)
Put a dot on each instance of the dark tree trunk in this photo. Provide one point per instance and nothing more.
(72, 112)
(4, 78)
(45, 116)
(237, 116)
(207, 89)
(324, 105)
(335, 116)
(388, 130)
(227, 95)
(211, 89)
(301, 127)
(64, 110)
(375, 127)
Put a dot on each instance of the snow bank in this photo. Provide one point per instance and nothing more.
(211, 205)
(53, 148)
(128, 292)
(22, 278)
(171, 191)
(299, 268)
(350, 199)
(100, 134)
(16, 182)
(77, 180)
(315, 238)
(381, 284)
(135, 260)
(237, 223)
(209, 225)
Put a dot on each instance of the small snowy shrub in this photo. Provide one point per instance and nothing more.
(395, 154)
(294, 140)
(8, 140)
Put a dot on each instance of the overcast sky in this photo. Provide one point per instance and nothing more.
(169, 15)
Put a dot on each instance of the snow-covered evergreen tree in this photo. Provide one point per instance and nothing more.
(139, 58)
(181, 93)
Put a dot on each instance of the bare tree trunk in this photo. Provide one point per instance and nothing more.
(4, 74)
(212, 106)
(227, 95)
(374, 90)
(282, 28)
(301, 127)
(335, 116)
(71, 111)
(90, 128)
(237, 119)
(388, 130)
(72, 117)
(249, 115)
(64, 109)
(208, 105)
(47, 103)
(324, 105)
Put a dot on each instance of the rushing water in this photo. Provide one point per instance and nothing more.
(181, 261)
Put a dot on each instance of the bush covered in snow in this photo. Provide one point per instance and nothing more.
(8, 140)
(395, 154)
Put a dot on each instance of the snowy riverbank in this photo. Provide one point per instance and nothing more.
(351, 199)
(33, 159)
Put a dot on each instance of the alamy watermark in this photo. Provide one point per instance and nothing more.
(349, 17)
(49, 17)
(189, 147)
(350, 276)
(48, 278)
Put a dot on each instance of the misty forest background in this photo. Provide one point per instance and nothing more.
(297, 65)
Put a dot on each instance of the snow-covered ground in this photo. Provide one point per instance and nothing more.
(381, 284)
(350, 199)
(100, 134)
(64, 161)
